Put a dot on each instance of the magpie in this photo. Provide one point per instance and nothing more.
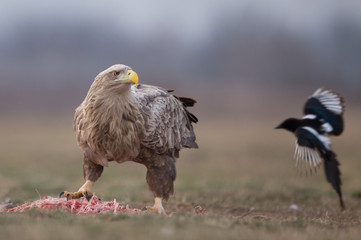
(323, 115)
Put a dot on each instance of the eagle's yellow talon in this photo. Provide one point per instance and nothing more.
(157, 207)
(159, 211)
(87, 194)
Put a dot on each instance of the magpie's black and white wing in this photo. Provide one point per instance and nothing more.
(328, 107)
(309, 145)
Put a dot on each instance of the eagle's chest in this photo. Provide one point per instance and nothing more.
(116, 136)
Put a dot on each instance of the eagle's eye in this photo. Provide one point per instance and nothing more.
(116, 73)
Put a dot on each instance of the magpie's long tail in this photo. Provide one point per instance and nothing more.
(333, 173)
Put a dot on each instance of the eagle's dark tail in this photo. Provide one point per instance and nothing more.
(333, 173)
(188, 102)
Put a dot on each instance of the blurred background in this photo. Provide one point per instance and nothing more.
(50, 51)
(250, 64)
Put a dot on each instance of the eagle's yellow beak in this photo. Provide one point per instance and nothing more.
(129, 77)
(133, 77)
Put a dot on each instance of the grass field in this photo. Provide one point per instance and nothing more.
(243, 174)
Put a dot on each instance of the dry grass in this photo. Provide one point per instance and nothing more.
(243, 174)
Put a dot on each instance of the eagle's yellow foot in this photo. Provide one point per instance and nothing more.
(74, 195)
(84, 191)
(157, 207)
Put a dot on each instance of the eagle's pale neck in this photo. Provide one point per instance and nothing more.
(117, 103)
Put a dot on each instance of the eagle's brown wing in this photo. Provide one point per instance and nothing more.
(78, 126)
(167, 122)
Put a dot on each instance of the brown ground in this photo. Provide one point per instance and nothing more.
(243, 175)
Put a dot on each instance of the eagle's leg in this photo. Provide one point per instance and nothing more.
(91, 172)
(160, 177)
(157, 207)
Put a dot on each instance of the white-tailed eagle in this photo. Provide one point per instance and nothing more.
(120, 121)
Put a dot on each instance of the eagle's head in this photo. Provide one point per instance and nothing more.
(117, 78)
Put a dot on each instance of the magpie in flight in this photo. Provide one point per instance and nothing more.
(323, 115)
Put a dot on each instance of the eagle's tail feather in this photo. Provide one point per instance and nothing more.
(188, 102)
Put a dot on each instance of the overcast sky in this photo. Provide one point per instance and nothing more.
(62, 45)
(191, 21)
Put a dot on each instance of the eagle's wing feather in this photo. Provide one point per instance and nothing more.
(167, 123)
(78, 126)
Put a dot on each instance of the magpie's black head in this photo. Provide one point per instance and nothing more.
(290, 124)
